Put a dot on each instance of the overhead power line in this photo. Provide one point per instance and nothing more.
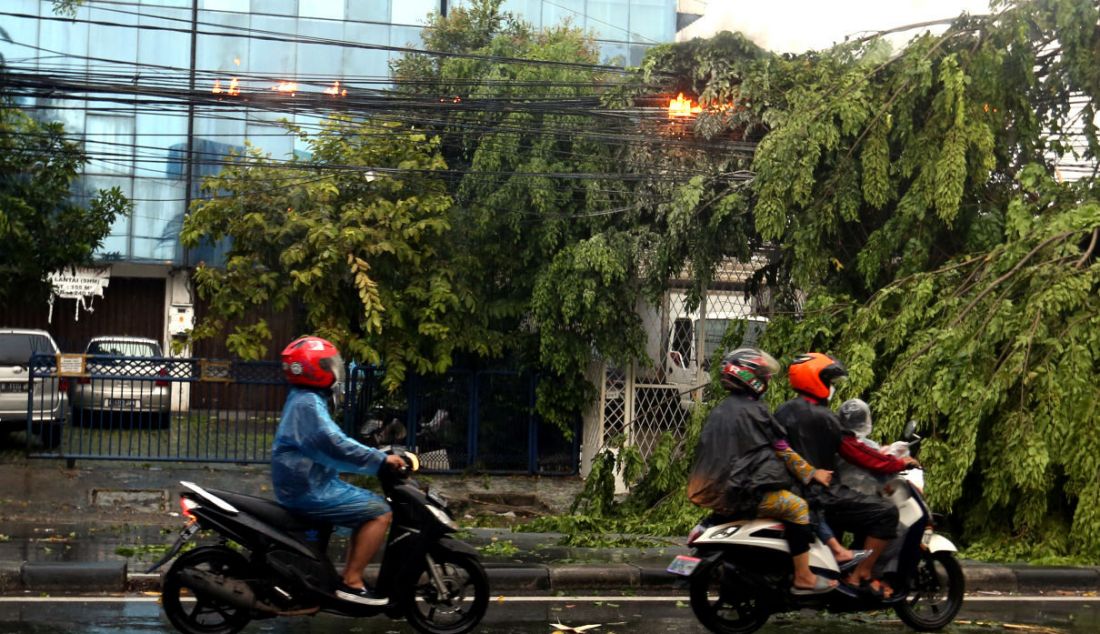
(271, 36)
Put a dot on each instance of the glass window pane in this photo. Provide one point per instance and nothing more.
(222, 54)
(124, 348)
(653, 24)
(558, 11)
(370, 64)
(272, 139)
(66, 44)
(413, 11)
(319, 60)
(117, 244)
(405, 36)
(165, 48)
(328, 9)
(109, 142)
(23, 32)
(276, 7)
(157, 219)
(113, 47)
(607, 19)
(269, 57)
(239, 6)
(374, 11)
(529, 11)
(157, 133)
(613, 53)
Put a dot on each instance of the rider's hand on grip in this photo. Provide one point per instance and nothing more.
(823, 476)
(396, 462)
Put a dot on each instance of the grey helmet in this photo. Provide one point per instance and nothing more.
(855, 416)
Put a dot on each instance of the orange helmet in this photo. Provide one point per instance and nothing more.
(813, 373)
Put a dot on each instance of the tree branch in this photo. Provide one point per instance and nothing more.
(1019, 265)
(1088, 252)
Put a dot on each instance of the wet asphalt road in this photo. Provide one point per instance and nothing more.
(141, 615)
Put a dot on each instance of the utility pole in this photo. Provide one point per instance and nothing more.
(189, 169)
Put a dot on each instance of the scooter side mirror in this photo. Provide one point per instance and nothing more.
(909, 432)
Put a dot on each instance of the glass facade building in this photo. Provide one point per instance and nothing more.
(140, 142)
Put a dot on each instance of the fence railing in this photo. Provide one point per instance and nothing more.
(204, 410)
(466, 420)
(150, 409)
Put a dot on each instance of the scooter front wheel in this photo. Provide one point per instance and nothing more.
(449, 594)
(723, 602)
(935, 593)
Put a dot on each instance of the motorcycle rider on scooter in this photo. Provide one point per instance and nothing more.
(815, 432)
(309, 453)
(743, 465)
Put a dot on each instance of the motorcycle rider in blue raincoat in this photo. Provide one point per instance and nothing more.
(309, 453)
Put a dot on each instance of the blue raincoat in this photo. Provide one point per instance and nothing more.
(308, 455)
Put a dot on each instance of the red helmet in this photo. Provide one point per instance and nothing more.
(813, 373)
(313, 362)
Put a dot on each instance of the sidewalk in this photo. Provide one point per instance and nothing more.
(97, 527)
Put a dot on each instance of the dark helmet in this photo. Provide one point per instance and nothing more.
(814, 373)
(747, 369)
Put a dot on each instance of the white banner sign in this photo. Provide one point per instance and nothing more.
(79, 283)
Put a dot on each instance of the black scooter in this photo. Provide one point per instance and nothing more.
(270, 562)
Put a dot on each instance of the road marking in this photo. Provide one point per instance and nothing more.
(548, 599)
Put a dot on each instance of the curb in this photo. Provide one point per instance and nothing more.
(61, 577)
(113, 577)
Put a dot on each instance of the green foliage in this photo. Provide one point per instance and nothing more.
(41, 229)
(499, 548)
(66, 7)
(548, 263)
(920, 233)
(346, 248)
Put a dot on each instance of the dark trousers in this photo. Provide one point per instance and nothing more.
(849, 510)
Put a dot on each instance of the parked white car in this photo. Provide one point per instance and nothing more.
(124, 378)
(47, 409)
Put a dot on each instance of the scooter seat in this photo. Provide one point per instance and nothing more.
(269, 511)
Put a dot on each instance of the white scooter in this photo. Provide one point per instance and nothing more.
(740, 572)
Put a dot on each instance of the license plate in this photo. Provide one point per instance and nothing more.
(683, 565)
(120, 403)
(11, 388)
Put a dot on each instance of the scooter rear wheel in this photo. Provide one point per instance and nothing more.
(192, 612)
(935, 593)
(456, 610)
(724, 603)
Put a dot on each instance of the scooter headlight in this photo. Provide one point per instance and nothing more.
(725, 532)
(442, 516)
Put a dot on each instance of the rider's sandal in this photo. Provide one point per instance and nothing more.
(867, 586)
(821, 585)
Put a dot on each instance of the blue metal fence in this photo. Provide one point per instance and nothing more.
(153, 409)
(205, 410)
(465, 420)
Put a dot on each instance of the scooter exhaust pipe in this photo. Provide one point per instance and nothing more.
(235, 592)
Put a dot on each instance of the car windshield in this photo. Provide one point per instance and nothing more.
(17, 348)
(124, 348)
